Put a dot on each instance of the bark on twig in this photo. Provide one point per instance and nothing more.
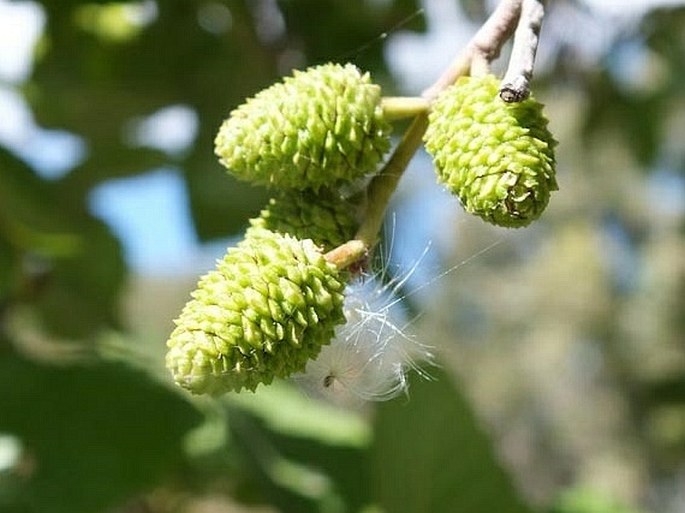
(483, 48)
(516, 82)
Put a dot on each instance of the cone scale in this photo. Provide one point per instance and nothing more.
(497, 157)
(321, 127)
(325, 218)
(267, 308)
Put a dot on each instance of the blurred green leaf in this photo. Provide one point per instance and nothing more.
(220, 204)
(28, 206)
(669, 390)
(302, 455)
(429, 455)
(9, 271)
(639, 119)
(332, 30)
(103, 86)
(81, 292)
(285, 410)
(66, 262)
(664, 29)
(94, 434)
(585, 500)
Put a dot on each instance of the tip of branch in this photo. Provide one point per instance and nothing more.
(347, 254)
(514, 90)
(511, 94)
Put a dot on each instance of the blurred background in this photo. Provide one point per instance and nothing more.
(560, 384)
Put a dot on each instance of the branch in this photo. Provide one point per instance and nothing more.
(516, 82)
(401, 107)
(379, 193)
(483, 48)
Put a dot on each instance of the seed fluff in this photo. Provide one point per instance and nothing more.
(372, 353)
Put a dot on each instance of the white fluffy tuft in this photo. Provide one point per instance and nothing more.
(371, 354)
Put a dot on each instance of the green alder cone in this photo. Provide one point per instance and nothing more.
(497, 157)
(320, 127)
(326, 219)
(267, 308)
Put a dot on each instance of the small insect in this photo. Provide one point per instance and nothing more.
(328, 381)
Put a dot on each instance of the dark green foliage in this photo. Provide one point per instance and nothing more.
(639, 114)
(431, 455)
(636, 117)
(333, 30)
(59, 257)
(298, 471)
(93, 433)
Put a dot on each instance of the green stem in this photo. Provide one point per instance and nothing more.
(384, 184)
(379, 192)
(402, 107)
